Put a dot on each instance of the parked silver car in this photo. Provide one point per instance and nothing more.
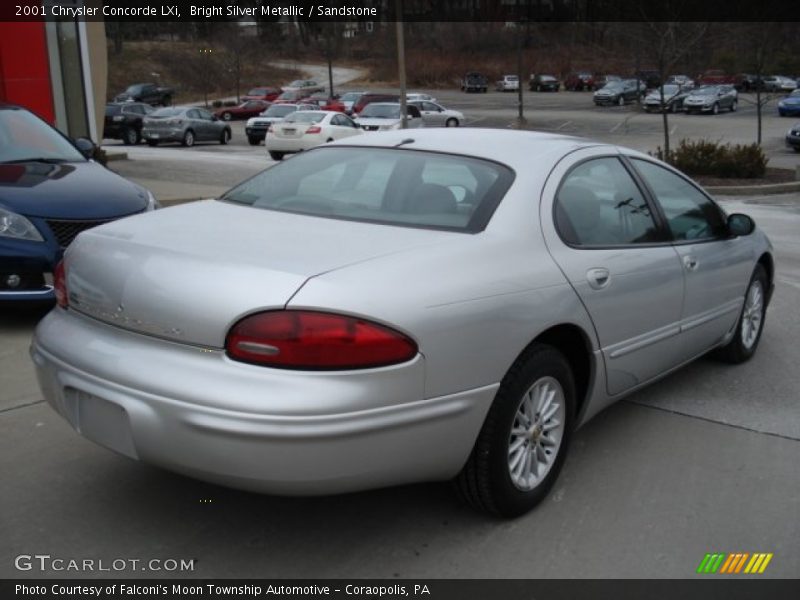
(711, 99)
(399, 307)
(184, 124)
(385, 116)
(436, 115)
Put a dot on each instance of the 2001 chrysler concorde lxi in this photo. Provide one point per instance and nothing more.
(414, 306)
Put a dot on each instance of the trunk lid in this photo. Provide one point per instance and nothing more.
(190, 272)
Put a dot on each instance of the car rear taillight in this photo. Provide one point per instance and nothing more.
(60, 285)
(299, 339)
(314, 129)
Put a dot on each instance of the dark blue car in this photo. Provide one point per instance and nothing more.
(790, 106)
(49, 193)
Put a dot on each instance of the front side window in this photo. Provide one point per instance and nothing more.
(690, 214)
(395, 187)
(598, 204)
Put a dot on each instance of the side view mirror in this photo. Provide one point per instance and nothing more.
(739, 224)
(85, 146)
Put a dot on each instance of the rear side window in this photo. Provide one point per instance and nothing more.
(598, 204)
(381, 185)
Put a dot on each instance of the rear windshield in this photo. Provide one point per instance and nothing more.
(382, 185)
(305, 117)
(381, 111)
(170, 111)
(280, 110)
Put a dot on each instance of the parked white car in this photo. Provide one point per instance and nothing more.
(305, 129)
(436, 115)
(509, 83)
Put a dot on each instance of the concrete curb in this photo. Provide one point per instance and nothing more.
(754, 190)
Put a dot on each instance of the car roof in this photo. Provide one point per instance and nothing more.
(517, 149)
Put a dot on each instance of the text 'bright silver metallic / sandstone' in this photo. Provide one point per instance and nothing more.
(400, 307)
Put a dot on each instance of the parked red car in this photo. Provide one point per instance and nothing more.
(716, 77)
(268, 94)
(290, 97)
(579, 81)
(368, 98)
(245, 110)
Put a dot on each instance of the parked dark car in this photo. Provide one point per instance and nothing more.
(366, 99)
(650, 78)
(793, 137)
(711, 99)
(123, 121)
(619, 92)
(790, 106)
(268, 94)
(184, 124)
(247, 109)
(544, 83)
(746, 82)
(49, 193)
(474, 82)
(579, 81)
(149, 93)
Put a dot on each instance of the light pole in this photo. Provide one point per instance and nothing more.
(401, 61)
(206, 52)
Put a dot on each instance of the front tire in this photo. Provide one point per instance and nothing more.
(621, 101)
(734, 106)
(254, 141)
(130, 136)
(751, 321)
(524, 439)
(152, 143)
(188, 139)
(275, 155)
(451, 122)
(226, 116)
(715, 109)
(225, 137)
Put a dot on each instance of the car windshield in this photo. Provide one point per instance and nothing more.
(390, 186)
(795, 94)
(613, 85)
(26, 137)
(381, 111)
(305, 117)
(134, 89)
(113, 109)
(280, 110)
(547, 78)
(257, 92)
(511, 78)
(296, 83)
(705, 91)
(170, 111)
(350, 96)
(290, 96)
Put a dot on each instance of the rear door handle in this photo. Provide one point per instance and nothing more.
(598, 278)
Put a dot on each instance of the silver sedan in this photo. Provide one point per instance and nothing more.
(436, 115)
(401, 307)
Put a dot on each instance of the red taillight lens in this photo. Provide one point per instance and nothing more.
(60, 285)
(314, 129)
(296, 339)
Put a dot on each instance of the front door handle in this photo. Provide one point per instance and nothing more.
(598, 278)
(690, 262)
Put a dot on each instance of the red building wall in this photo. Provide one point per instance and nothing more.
(25, 68)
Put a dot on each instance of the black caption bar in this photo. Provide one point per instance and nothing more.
(410, 10)
(434, 589)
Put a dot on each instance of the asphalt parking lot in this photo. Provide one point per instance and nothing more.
(703, 461)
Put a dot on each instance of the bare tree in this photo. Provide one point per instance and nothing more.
(665, 45)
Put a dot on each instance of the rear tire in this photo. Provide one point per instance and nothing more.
(188, 138)
(734, 106)
(715, 109)
(167, 101)
(275, 155)
(621, 101)
(751, 321)
(519, 451)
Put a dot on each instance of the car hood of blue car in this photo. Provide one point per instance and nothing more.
(75, 190)
(791, 101)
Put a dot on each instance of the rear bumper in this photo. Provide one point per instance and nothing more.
(195, 411)
(279, 144)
